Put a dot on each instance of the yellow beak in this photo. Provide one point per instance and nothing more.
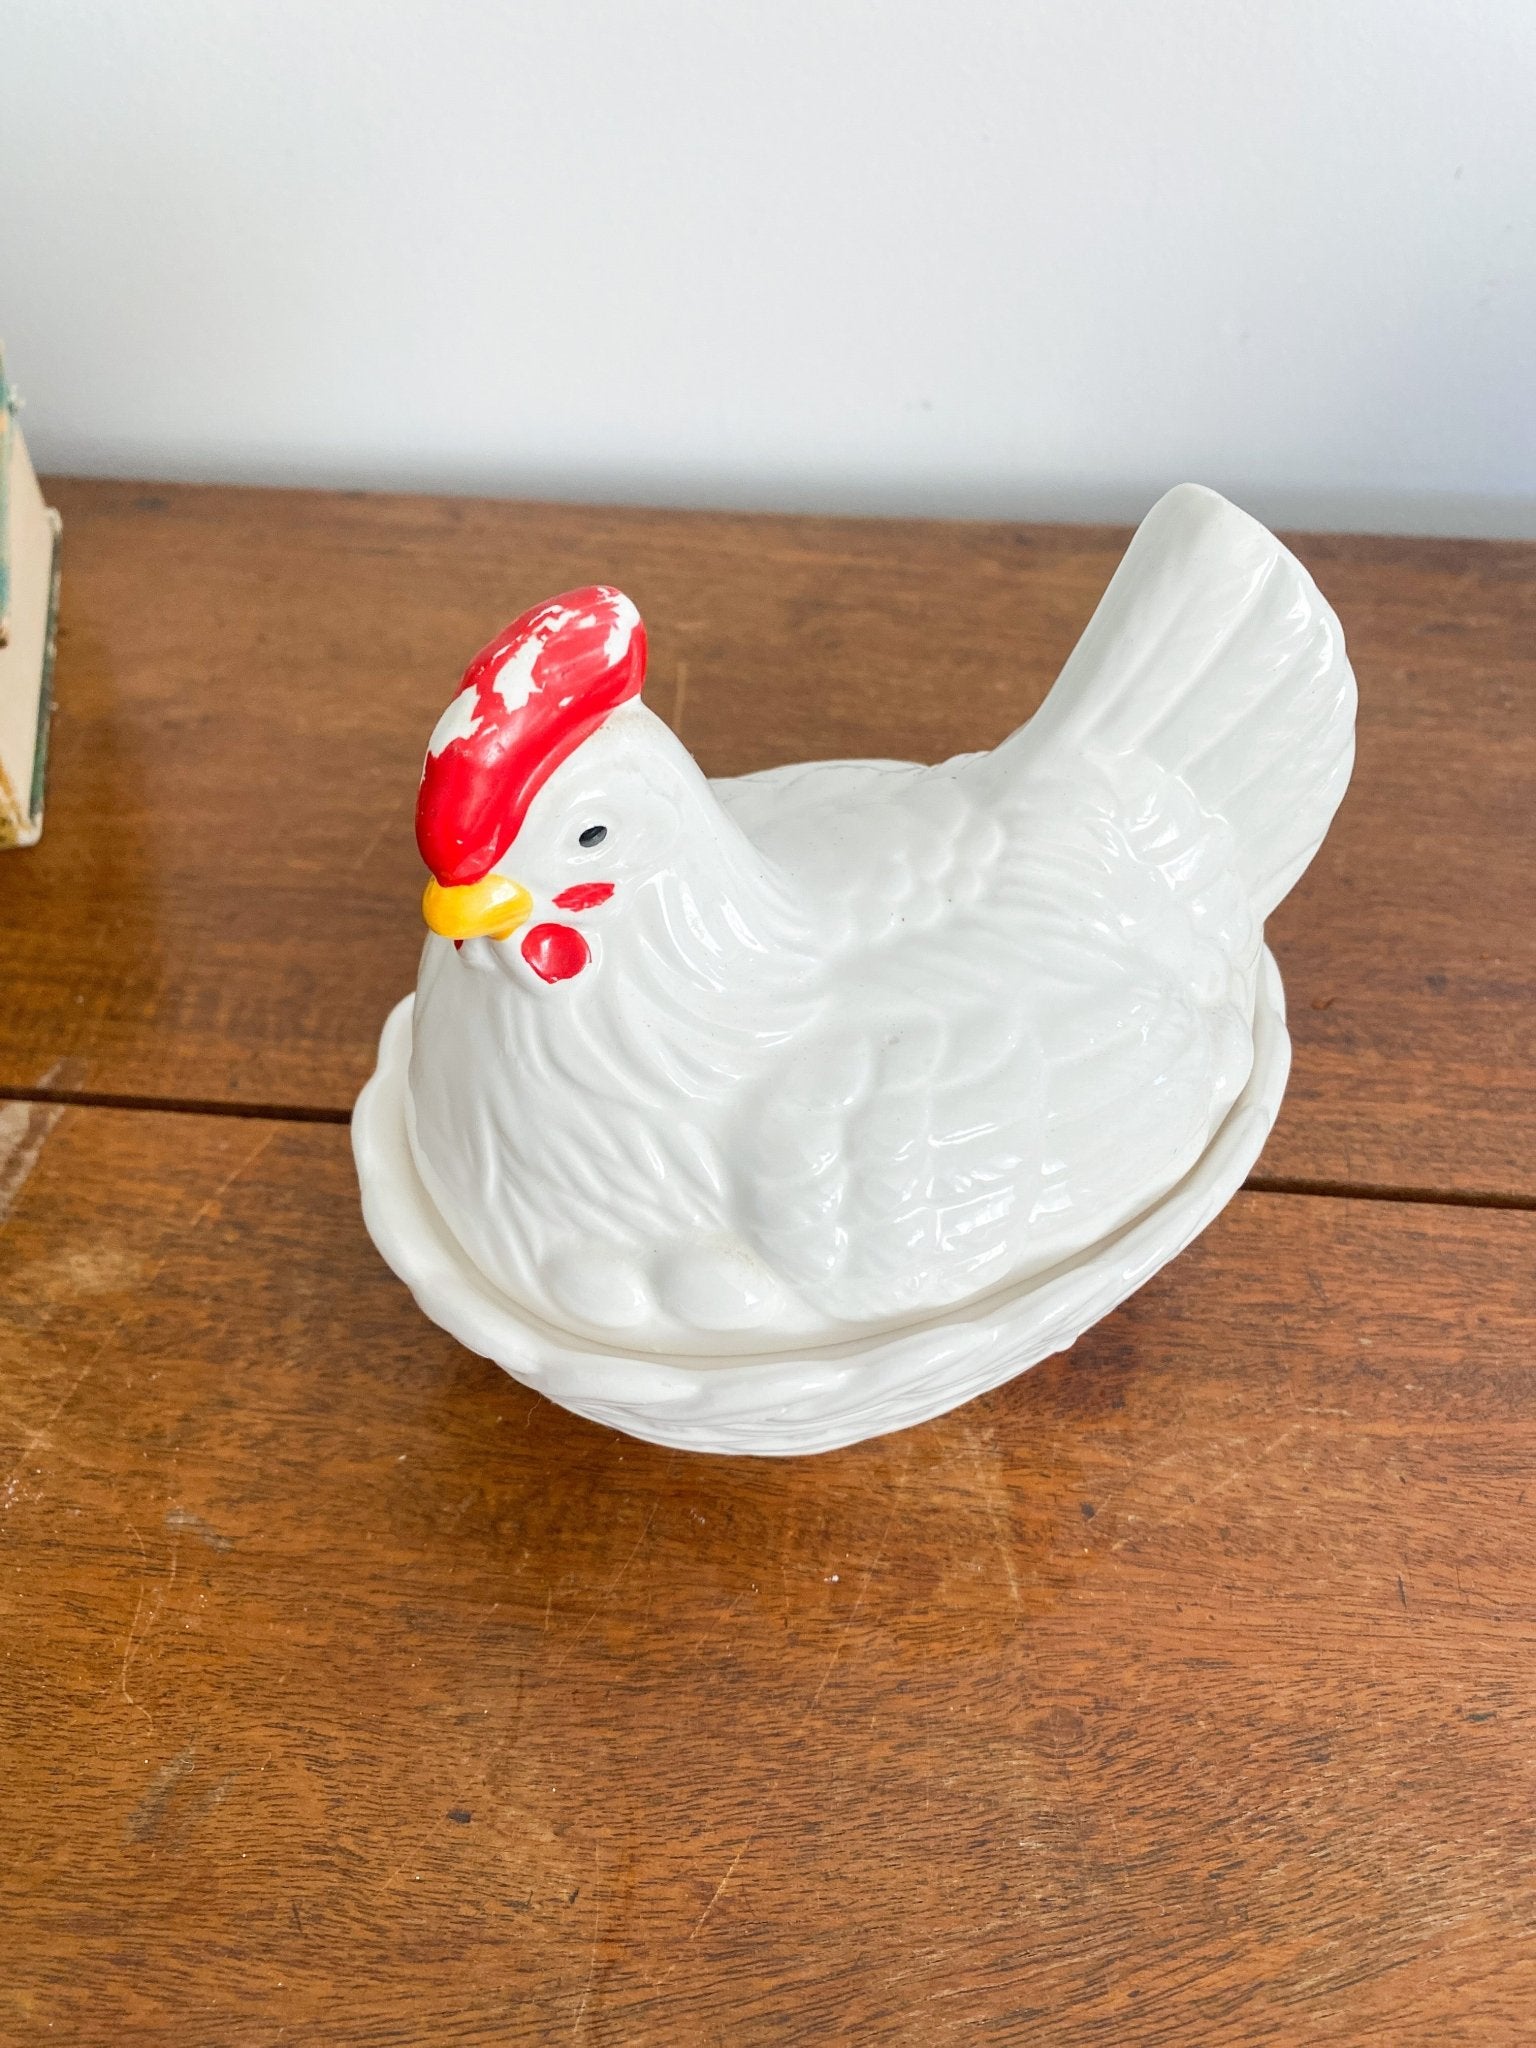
(491, 909)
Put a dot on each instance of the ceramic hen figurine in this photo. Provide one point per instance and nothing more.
(794, 1071)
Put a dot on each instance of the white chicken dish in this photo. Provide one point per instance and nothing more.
(707, 1085)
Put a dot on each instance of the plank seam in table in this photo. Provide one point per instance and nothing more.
(299, 1113)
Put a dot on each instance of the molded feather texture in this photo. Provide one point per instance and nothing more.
(571, 1135)
(1213, 654)
(863, 1041)
(802, 1398)
(1029, 1067)
(955, 1026)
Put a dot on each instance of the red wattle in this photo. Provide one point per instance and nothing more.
(556, 952)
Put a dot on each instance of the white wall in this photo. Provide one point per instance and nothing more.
(1036, 257)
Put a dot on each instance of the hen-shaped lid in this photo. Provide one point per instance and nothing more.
(527, 701)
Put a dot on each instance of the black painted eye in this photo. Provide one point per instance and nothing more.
(594, 835)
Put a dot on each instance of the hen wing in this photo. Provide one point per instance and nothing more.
(1039, 1015)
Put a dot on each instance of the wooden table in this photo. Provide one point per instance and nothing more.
(1181, 1692)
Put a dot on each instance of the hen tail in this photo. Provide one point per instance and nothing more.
(1214, 654)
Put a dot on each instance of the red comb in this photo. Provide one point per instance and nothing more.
(527, 701)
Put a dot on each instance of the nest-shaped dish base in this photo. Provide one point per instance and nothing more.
(819, 1398)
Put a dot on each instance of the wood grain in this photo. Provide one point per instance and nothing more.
(1180, 1692)
(223, 906)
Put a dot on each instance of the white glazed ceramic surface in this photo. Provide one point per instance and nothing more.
(811, 1399)
(856, 1061)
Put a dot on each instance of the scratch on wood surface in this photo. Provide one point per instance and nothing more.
(133, 1629)
(375, 841)
(730, 1872)
(721, 1615)
(163, 1802)
(853, 1614)
(1186, 1510)
(183, 1518)
(494, 1751)
(1114, 1829)
(39, 1437)
(993, 1491)
(597, 1925)
(135, 1642)
(24, 1129)
(234, 1174)
(608, 1591)
(144, 1822)
(69, 1071)
(679, 699)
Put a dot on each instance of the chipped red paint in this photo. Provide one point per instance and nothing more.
(584, 896)
(561, 667)
(555, 952)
